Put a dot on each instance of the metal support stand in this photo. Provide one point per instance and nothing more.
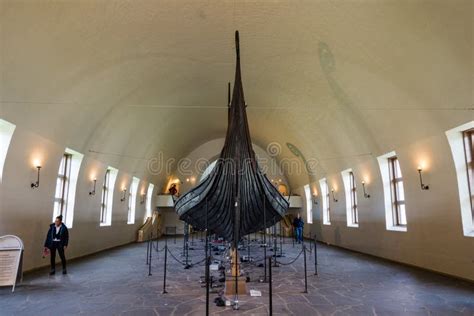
(151, 252)
(315, 257)
(164, 266)
(208, 259)
(147, 250)
(305, 271)
(275, 250)
(185, 241)
(248, 248)
(265, 256)
(270, 294)
(281, 241)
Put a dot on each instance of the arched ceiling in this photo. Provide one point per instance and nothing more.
(124, 81)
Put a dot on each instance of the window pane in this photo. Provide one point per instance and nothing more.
(403, 216)
(400, 191)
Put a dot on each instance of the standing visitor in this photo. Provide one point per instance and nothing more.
(57, 239)
(298, 224)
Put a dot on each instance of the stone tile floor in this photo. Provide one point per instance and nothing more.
(116, 282)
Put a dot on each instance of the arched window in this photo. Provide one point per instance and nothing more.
(325, 197)
(461, 141)
(352, 213)
(108, 196)
(149, 196)
(132, 200)
(394, 193)
(309, 204)
(66, 182)
(6, 134)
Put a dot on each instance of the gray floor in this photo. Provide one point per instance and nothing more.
(116, 282)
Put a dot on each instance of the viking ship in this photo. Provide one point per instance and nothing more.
(236, 198)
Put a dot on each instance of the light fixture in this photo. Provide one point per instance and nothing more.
(422, 185)
(94, 183)
(37, 183)
(143, 198)
(333, 196)
(124, 194)
(366, 195)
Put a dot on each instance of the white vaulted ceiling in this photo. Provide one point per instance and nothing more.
(125, 80)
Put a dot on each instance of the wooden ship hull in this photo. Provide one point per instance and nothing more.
(236, 198)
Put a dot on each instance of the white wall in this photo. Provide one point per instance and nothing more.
(27, 212)
(434, 239)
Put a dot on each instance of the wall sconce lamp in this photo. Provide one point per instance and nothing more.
(315, 199)
(333, 197)
(366, 195)
(422, 185)
(94, 183)
(124, 195)
(143, 198)
(37, 183)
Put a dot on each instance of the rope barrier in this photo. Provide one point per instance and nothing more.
(292, 261)
(176, 259)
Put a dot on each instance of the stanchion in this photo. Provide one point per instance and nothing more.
(265, 256)
(275, 250)
(164, 266)
(305, 271)
(315, 256)
(185, 234)
(248, 248)
(270, 294)
(187, 265)
(281, 241)
(310, 243)
(264, 242)
(149, 261)
(208, 259)
(147, 250)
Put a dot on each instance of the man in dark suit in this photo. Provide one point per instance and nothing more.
(57, 239)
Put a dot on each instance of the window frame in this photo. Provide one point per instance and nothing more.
(350, 190)
(468, 136)
(64, 178)
(326, 198)
(7, 130)
(66, 186)
(353, 199)
(456, 140)
(396, 185)
(309, 204)
(148, 205)
(132, 200)
(105, 197)
(391, 183)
